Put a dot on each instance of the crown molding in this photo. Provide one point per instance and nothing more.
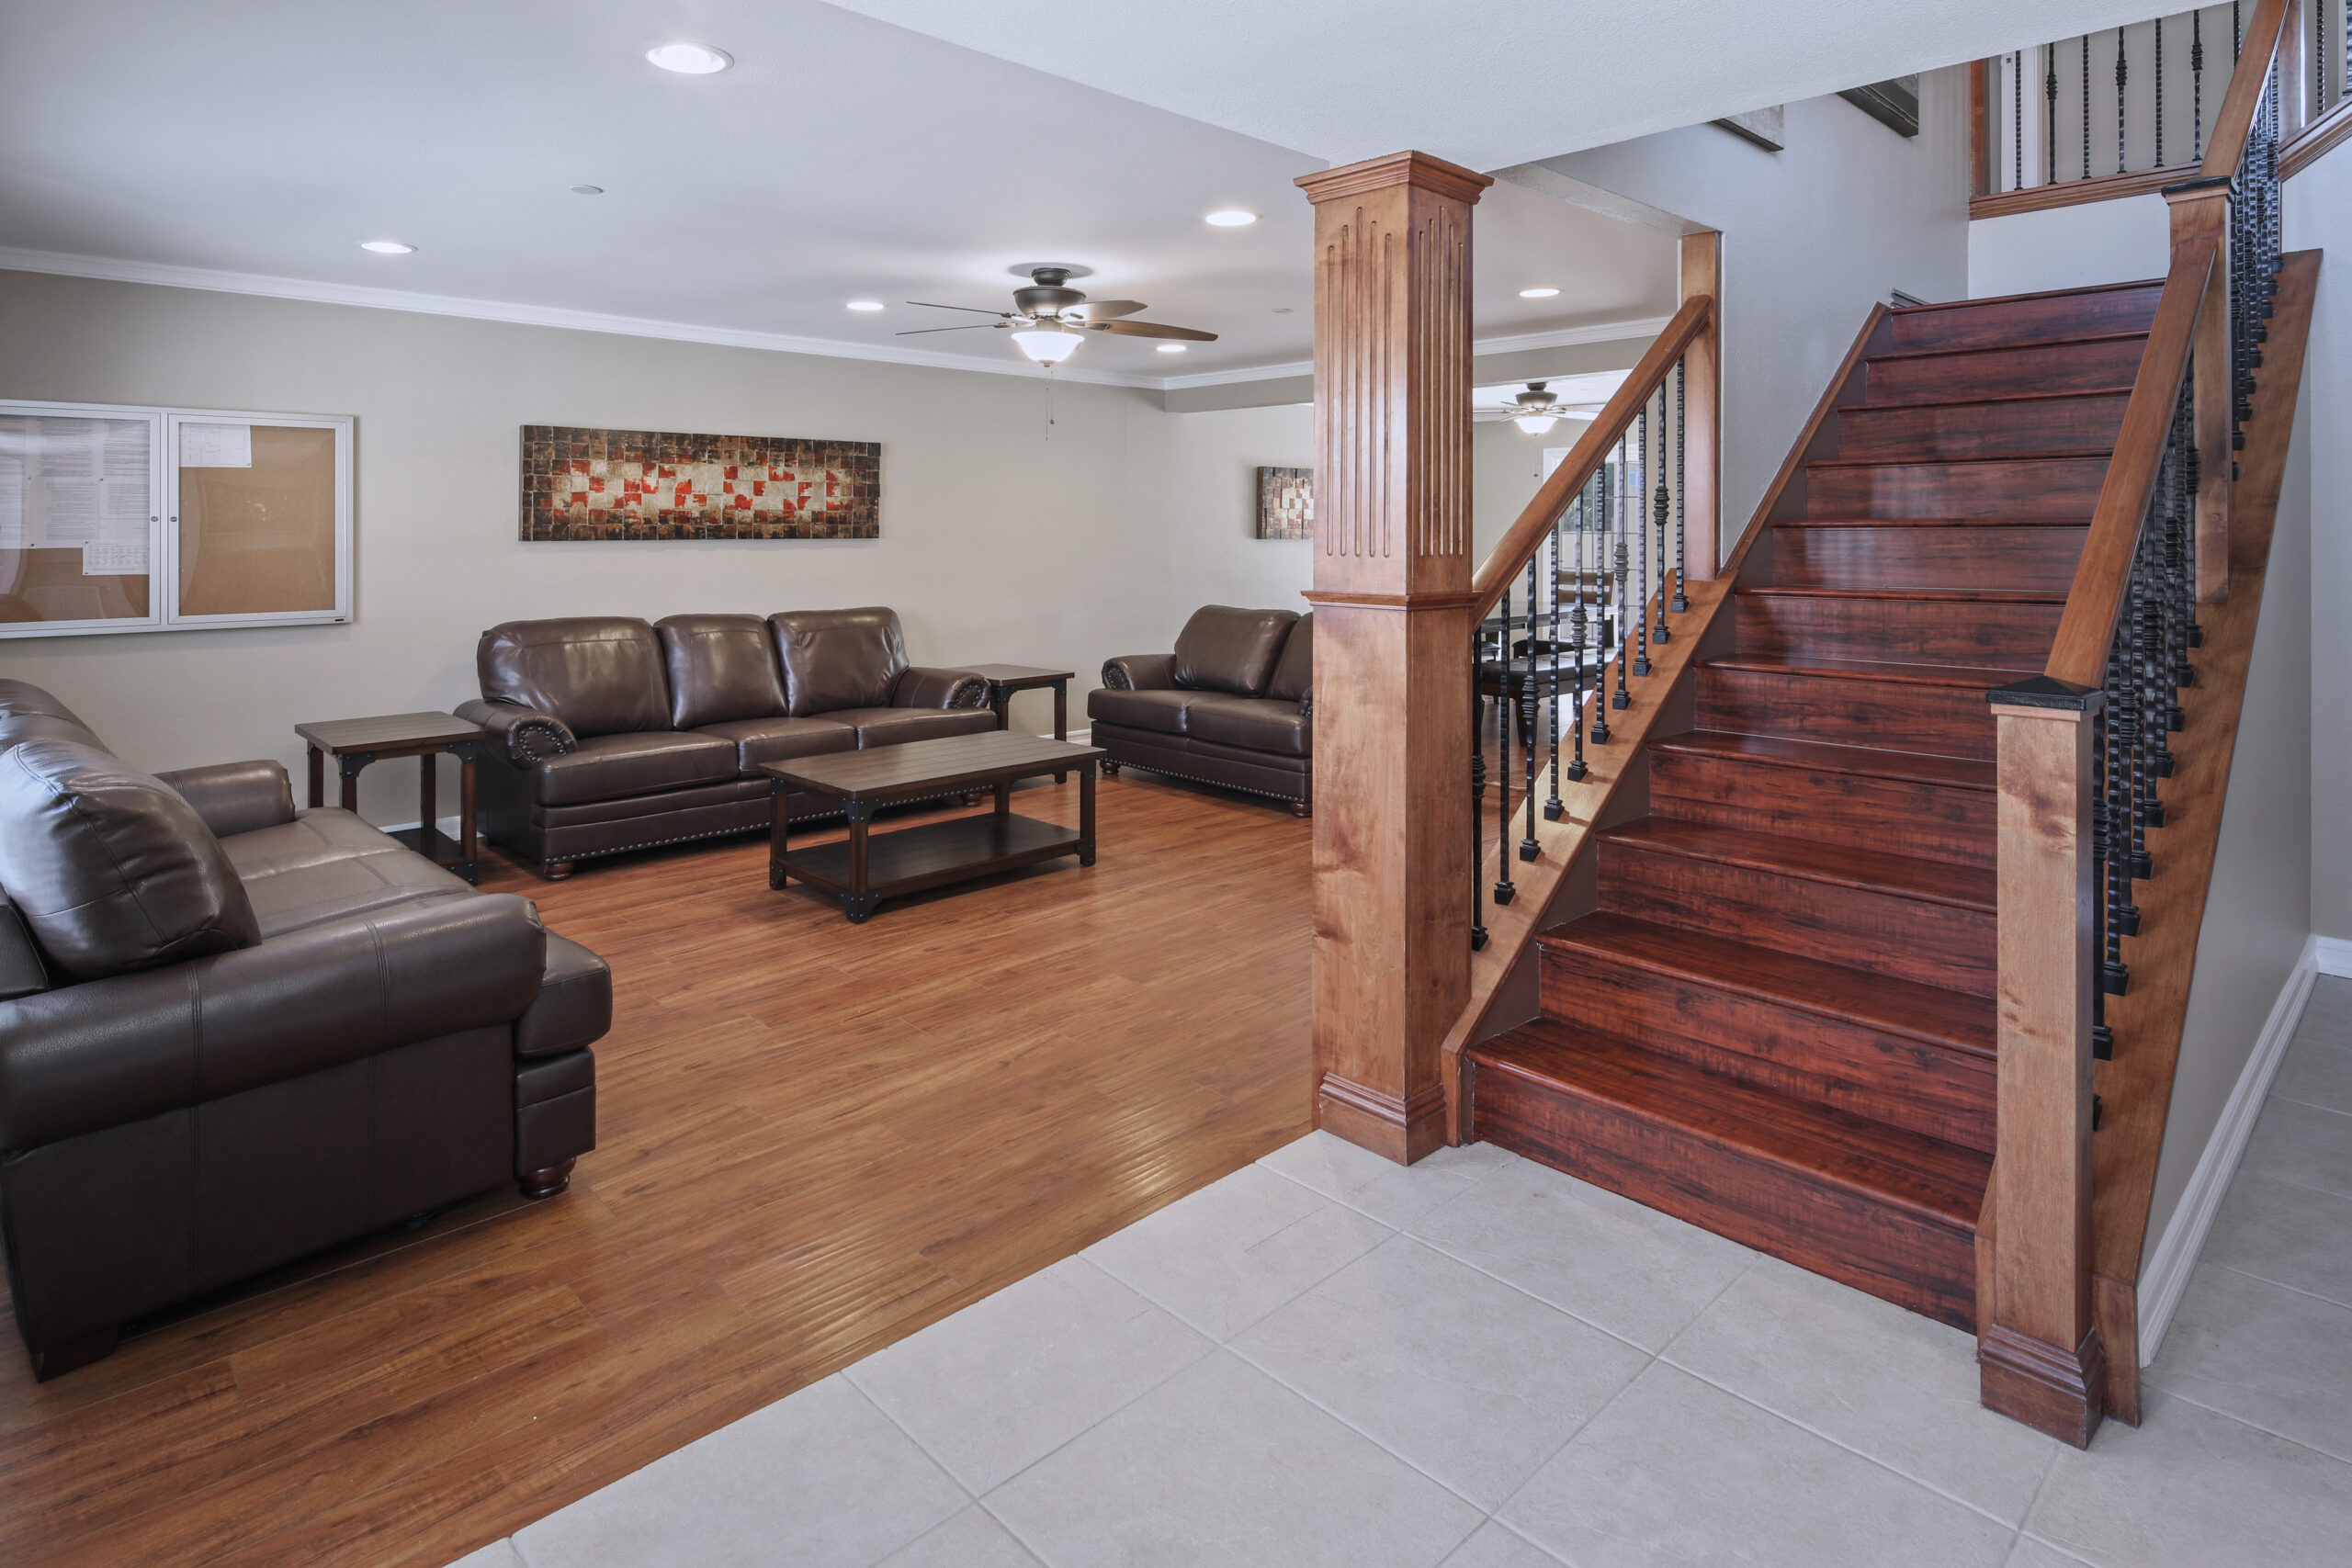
(167, 275)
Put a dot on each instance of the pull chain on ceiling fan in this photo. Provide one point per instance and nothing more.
(1050, 318)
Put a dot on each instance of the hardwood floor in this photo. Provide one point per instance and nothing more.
(814, 1138)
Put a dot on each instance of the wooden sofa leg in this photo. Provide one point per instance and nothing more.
(556, 870)
(95, 1345)
(1109, 767)
(548, 1182)
(1302, 808)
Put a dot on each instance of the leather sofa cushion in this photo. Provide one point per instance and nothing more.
(599, 674)
(1258, 724)
(21, 970)
(606, 767)
(1225, 650)
(758, 740)
(112, 871)
(30, 713)
(315, 836)
(1294, 676)
(721, 668)
(574, 1007)
(894, 727)
(297, 897)
(839, 659)
(1162, 711)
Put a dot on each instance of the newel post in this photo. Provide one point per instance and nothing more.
(2039, 1356)
(1702, 412)
(2200, 212)
(1392, 642)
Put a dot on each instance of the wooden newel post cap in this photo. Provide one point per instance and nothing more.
(1418, 169)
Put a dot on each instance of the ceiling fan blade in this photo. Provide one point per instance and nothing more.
(1151, 329)
(967, 327)
(930, 305)
(1104, 309)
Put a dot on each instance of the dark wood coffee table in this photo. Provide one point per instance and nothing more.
(865, 869)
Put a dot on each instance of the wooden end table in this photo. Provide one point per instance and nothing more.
(1006, 679)
(357, 742)
(866, 868)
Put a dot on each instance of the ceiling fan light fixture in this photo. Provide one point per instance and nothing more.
(388, 247)
(1230, 218)
(1048, 345)
(1536, 423)
(1171, 348)
(690, 59)
(866, 304)
(1538, 293)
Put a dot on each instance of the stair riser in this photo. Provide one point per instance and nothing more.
(1891, 815)
(2059, 487)
(1939, 1092)
(1893, 1255)
(1880, 933)
(2023, 560)
(1997, 372)
(2027, 320)
(1943, 720)
(1980, 430)
(1920, 1087)
(1903, 631)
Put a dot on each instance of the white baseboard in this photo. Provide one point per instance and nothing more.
(448, 826)
(2174, 1258)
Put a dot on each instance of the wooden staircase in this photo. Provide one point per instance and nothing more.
(1776, 1019)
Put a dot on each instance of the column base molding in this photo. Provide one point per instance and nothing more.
(1402, 1129)
(2051, 1390)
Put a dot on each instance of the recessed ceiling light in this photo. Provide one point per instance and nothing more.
(386, 247)
(1282, 310)
(1171, 348)
(690, 59)
(1232, 218)
(587, 190)
(1537, 293)
(866, 304)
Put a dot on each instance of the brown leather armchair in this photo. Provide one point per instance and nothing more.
(608, 734)
(1232, 706)
(232, 1033)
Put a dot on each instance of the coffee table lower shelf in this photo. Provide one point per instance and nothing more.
(910, 860)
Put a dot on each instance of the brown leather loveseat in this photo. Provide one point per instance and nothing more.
(1233, 705)
(607, 734)
(233, 1033)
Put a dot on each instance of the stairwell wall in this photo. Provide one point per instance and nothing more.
(2319, 216)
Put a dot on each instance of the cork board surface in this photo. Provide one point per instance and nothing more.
(583, 484)
(260, 538)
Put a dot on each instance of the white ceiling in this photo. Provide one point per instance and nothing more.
(842, 157)
(1485, 82)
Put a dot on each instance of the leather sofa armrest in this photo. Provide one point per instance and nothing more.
(1140, 672)
(237, 797)
(922, 688)
(107, 1053)
(523, 736)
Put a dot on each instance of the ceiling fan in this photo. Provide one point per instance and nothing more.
(1050, 318)
(1535, 411)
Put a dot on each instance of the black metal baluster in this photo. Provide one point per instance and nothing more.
(2196, 84)
(2318, 60)
(2119, 100)
(2017, 117)
(2050, 98)
(1506, 720)
(2160, 94)
(1622, 522)
(1553, 810)
(2083, 49)
(1659, 633)
(1527, 701)
(1637, 518)
(2237, 34)
(1681, 524)
(1576, 769)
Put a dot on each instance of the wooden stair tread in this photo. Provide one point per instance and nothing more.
(2044, 455)
(1863, 761)
(1952, 1019)
(1941, 353)
(2119, 389)
(1942, 1183)
(1831, 522)
(1872, 871)
(1980, 677)
(1943, 595)
(2149, 285)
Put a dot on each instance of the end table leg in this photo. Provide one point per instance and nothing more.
(1086, 813)
(858, 902)
(1001, 704)
(778, 823)
(428, 804)
(466, 759)
(1004, 798)
(1061, 718)
(351, 765)
(318, 777)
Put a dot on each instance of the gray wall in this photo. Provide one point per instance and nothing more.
(997, 542)
(1812, 236)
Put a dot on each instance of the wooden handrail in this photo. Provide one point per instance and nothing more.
(1519, 544)
(2233, 122)
(2103, 575)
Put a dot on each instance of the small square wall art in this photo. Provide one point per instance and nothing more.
(1286, 503)
(646, 484)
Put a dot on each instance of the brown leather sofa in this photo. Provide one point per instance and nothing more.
(233, 1033)
(607, 734)
(1233, 705)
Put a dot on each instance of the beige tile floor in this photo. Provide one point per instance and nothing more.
(1478, 1362)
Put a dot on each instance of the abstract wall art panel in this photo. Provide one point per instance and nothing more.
(1286, 503)
(651, 484)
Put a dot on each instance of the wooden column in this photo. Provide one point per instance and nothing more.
(1392, 642)
(1702, 273)
(2200, 210)
(2040, 1357)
